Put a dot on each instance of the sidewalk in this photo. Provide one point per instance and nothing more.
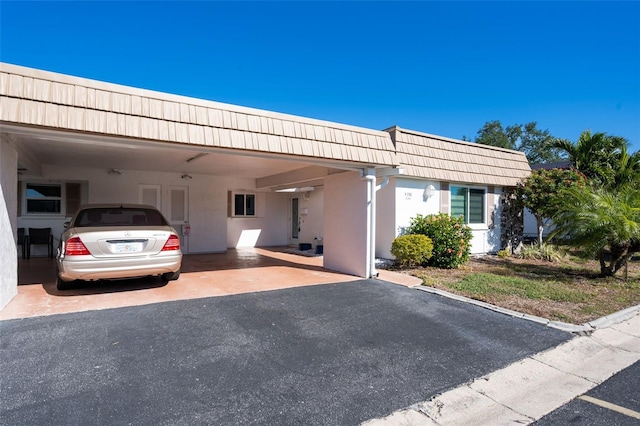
(523, 392)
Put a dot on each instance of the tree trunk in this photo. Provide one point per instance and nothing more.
(619, 257)
(605, 271)
(620, 254)
(540, 230)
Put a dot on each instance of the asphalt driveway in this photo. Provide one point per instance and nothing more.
(325, 354)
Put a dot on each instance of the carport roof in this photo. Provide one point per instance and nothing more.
(35, 101)
(45, 99)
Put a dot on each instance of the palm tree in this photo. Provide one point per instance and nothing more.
(628, 170)
(602, 221)
(595, 155)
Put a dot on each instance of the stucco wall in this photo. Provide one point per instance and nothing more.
(208, 214)
(385, 219)
(207, 205)
(345, 223)
(404, 198)
(411, 201)
(267, 228)
(8, 223)
(398, 203)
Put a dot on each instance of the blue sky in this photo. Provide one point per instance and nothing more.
(437, 67)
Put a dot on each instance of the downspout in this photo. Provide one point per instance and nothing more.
(371, 219)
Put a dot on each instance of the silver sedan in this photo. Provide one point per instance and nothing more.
(118, 241)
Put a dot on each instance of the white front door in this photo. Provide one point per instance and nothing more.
(294, 221)
(177, 213)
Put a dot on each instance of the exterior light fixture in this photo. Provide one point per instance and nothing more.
(186, 176)
(429, 192)
(114, 172)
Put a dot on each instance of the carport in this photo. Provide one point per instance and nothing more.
(198, 161)
(236, 271)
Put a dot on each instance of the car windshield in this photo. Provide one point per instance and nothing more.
(119, 216)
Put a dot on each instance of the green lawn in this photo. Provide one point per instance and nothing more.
(568, 291)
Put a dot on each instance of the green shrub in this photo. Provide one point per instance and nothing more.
(412, 250)
(451, 238)
(546, 252)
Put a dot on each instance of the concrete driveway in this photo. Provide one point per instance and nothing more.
(325, 354)
(203, 275)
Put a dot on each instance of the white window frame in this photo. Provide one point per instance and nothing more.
(26, 198)
(244, 196)
(475, 225)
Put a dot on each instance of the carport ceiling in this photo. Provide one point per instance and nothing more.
(37, 148)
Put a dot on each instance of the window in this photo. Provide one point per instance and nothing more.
(44, 198)
(119, 216)
(469, 203)
(244, 204)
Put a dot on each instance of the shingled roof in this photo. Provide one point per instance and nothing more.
(44, 99)
(41, 98)
(435, 157)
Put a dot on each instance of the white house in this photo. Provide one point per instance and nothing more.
(449, 176)
(230, 176)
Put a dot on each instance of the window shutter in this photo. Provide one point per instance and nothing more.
(444, 197)
(72, 202)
